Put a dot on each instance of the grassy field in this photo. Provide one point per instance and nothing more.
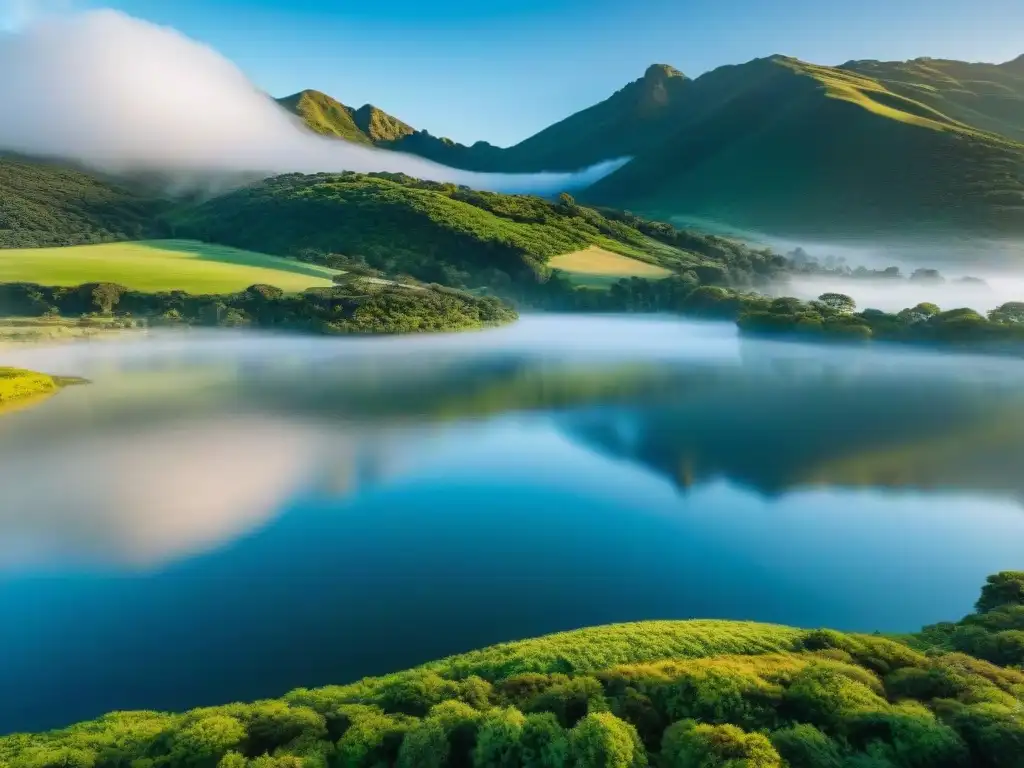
(596, 266)
(160, 265)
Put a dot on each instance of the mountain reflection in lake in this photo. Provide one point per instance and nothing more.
(223, 517)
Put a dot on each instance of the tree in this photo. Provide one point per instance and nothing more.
(1010, 312)
(105, 296)
(234, 318)
(544, 743)
(601, 740)
(927, 276)
(263, 292)
(838, 302)
(804, 746)
(372, 738)
(425, 746)
(1008, 647)
(1005, 588)
(498, 740)
(204, 741)
(687, 744)
(786, 305)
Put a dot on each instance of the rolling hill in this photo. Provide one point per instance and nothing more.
(46, 203)
(454, 235)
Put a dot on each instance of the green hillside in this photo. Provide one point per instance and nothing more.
(447, 234)
(795, 148)
(43, 203)
(676, 694)
(989, 97)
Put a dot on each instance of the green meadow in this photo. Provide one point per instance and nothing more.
(160, 265)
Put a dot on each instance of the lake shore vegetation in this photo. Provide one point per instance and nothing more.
(663, 693)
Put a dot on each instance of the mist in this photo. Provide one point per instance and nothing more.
(894, 295)
(119, 94)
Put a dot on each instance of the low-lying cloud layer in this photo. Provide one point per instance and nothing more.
(122, 94)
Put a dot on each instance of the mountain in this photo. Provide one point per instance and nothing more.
(329, 117)
(378, 125)
(786, 147)
(325, 115)
(873, 148)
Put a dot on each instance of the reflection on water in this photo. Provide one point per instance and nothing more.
(227, 517)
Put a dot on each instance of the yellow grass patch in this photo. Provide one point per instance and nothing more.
(596, 263)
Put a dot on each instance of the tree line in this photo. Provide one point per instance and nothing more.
(355, 306)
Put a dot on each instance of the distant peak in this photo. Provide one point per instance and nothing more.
(1017, 64)
(310, 93)
(660, 72)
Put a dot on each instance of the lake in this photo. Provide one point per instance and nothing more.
(225, 516)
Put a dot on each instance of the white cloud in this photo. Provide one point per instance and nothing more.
(119, 93)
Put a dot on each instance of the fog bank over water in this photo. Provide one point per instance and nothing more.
(892, 295)
(186, 441)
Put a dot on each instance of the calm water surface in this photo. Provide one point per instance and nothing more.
(222, 517)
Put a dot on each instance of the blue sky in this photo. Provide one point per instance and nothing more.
(500, 70)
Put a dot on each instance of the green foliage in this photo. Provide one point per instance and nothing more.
(45, 204)
(669, 693)
(804, 746)
(838, 302)
(601, 740)
(448, 234)
(425, 746)
(688, 744)
(1002, 589)
(498, 743)
(570, 699)
(832, 318)
(371, 738)
(205, 740)
(383, 308)
(544, 743)
(823, 696)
